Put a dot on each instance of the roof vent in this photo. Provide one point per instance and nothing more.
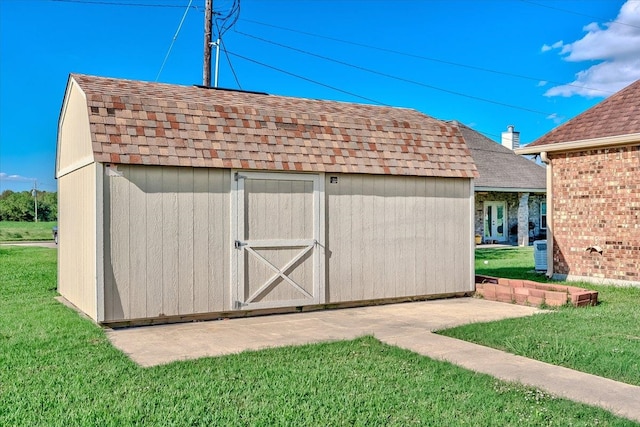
(511, 138)
(231, 90)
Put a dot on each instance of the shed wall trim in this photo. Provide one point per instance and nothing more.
(472, 225)
(75, 166)
(99, 230)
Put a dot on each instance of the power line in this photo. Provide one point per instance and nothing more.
(402, 79)
(326, 85)
(309, 80)
(228, 20)
(113, 3)
(457, 64)
(573, 12)
(426, 58)
(174, 39)
(226, 54)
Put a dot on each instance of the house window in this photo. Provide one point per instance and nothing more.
(543, 215)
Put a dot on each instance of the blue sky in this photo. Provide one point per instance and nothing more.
(486, 63)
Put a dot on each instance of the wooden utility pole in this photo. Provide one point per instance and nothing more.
(208, 24)
(34, 193)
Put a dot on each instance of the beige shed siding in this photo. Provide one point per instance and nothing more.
(77, 240)
(397, 236)
(167, 242)
(74, 132)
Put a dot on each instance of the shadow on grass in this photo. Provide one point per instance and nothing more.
(524, 273)
(501, 253)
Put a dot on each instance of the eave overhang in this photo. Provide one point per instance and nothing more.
(585, 144)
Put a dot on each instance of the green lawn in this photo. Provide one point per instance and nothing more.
(11, 231)
(58, 368)
(602, 340)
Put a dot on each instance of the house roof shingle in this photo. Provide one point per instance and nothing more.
(500, 168)
(135, 122)
(617, 115)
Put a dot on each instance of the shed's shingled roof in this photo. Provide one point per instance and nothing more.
(500, 168)
(135, 122)
(617, 115)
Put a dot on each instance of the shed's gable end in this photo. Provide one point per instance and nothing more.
(74, 147)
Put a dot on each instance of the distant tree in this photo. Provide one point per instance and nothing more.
(5, 194)
(50, 202)
(20, 206)
(17, 207)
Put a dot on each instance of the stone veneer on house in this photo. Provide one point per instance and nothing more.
(596, 197)
(513, 203)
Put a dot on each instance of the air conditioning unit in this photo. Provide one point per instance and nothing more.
(540, 254)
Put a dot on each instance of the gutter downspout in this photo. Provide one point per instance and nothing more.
(545, 160)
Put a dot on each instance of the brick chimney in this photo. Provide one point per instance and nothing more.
(511, 138)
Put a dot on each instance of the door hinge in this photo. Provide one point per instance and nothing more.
(239, 304)
(237, 176)
(238, 244)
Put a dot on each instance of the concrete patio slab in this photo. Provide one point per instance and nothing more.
(407, 325)
(155, 345)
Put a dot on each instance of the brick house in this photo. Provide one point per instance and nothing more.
(593, 191)
(510, 191)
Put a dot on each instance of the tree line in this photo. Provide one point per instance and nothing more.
(20, 206)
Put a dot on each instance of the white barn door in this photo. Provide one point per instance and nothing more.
(276, 250)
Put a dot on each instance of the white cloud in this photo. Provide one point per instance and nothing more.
(557, 45)
(614, 45)
(542, 83)
(594, 26)
(555, 118)
(14, 178)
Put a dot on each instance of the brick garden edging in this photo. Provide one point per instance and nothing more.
(526, 292)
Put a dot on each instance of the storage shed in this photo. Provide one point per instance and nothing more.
(179, 203)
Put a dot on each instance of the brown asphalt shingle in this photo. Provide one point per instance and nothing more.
(617, 115)
(135, 122)
(501, 168)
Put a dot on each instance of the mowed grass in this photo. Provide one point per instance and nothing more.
(59, 369)
(603, 340)
(13, 231)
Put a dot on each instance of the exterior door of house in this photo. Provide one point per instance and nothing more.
(276, 250)
(495, 221)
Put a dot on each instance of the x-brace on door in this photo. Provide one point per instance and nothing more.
(276, 251)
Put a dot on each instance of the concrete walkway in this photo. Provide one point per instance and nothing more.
(408, 325)
(43, 244)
